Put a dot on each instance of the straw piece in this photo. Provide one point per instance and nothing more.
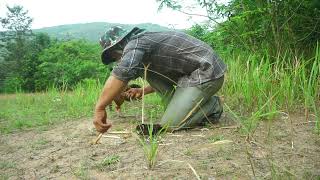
(115, 137)
(98, 138)
(194, 172)
(119, 132)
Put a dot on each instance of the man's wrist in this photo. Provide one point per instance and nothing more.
(100, 107)
(148, 90)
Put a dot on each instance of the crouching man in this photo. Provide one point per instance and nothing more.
(183, 70)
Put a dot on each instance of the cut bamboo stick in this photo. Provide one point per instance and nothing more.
(119, 132)
(98, 138)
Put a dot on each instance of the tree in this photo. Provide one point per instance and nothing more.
(68, 63)
(17, 23)
(36, 45)
(277, 25)
(17, 26)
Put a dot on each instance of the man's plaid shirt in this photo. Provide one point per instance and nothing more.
(180, 57)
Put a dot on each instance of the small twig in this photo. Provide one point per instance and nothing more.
(194, 172)
(119, 132)
(143, 86)
(198, 135)
(55, 150)
(222, 142)
(98, 138)
(115, 137)
(250, 161)
(165, 144)
(175, 135)
(303, 123)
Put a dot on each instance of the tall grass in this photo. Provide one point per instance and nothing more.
(21, 111)
(257, 87)
(285, 83)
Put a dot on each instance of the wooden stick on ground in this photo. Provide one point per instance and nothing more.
(194, 172)
(98, 138)
(108, 136)
(119, 132)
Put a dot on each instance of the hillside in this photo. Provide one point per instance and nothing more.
(91, 31)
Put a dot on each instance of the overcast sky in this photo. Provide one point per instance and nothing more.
(48, 13)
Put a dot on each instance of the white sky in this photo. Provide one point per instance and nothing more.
(46, 13)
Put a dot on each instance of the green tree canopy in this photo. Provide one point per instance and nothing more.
(277, 25)
(68, 63)
(17, 28)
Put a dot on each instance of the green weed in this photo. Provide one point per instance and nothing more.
(7, 165)
(109, 161)
(188, 152)
(150, 147)
(81, 172)
(216, 138)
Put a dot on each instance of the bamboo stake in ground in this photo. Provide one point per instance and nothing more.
(143, 85)
(98, 138)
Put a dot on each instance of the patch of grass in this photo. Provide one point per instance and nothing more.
(216, 138)
(23, 111)
(150, 145)
(108, 162)
(249, 124)
(188, 152)
(295, 83)
(81, 172)
(150, 149)
(4, 176)
(7, 165)
(39, 144)
(310, 175)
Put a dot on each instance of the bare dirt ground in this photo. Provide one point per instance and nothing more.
(63, 151)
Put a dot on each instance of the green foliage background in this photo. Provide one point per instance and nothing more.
(60, 56)
(271, 49)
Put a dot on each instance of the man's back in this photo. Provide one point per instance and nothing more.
(176, 55)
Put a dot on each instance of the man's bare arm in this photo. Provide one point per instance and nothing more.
(148, 90)
(112, 88)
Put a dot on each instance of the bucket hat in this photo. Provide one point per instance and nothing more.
(112, 39)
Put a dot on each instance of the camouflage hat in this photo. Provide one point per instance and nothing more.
(111, 40)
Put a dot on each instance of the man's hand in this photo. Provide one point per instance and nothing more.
(112, 88)
(134, 93)
(100, 121)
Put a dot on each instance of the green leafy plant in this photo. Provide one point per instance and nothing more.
(150, 144)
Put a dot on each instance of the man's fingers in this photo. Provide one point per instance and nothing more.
(102, 127)
(137, 95)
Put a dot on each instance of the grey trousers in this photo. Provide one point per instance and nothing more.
(186, 107)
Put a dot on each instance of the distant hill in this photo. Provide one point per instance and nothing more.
(91, 31)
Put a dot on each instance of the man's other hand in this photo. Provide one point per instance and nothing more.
(100, 121)
(134, 93)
